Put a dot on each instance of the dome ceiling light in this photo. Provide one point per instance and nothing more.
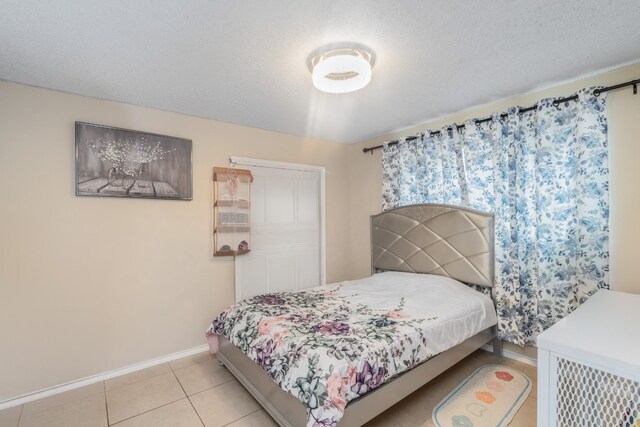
(341, 70)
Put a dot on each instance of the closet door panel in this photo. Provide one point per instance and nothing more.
(308, 268)
(281, 200)
(282, 272)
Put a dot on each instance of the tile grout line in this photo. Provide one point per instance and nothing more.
(106, 405)
(187, 396)
(20, 416)
(56, 405)
(244, 416)
(145, 412)
(153, 409)
(185, 366)
(201, 391)
(135, 382)
(210, 388)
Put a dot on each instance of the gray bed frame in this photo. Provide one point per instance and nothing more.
(429, 238)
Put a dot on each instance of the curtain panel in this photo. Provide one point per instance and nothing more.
(544, 174)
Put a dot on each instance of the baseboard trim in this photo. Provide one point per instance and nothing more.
(513, 355)
(61, 388)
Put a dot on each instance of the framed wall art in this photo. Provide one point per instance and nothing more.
(114, 162)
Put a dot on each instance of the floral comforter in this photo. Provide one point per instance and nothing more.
(331, 344)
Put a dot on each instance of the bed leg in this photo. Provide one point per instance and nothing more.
(497, 347)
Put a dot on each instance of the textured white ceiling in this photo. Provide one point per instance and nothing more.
(245, 61)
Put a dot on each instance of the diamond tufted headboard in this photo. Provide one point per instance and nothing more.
(436, 239)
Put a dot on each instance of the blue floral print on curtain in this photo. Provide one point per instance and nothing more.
(544, 174)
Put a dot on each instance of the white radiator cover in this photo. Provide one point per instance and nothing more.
(589, 365)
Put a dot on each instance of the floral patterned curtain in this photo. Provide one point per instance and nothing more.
(544, 174)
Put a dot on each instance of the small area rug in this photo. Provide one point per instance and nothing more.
(490, 397)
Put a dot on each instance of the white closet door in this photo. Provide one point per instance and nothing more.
(285, 233)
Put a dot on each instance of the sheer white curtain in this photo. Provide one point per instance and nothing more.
(544, 174)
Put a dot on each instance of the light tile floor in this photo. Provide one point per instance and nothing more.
(196, 391)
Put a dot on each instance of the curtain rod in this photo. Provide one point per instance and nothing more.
(556, 103)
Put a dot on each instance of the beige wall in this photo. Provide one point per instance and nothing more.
(365, 172)
(92, 284)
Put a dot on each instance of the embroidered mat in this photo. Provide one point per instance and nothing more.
(490, 397)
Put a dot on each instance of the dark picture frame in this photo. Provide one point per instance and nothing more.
(116, 162)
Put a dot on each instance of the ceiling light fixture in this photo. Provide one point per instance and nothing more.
(341, 70)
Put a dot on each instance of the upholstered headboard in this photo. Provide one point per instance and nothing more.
(436, 239)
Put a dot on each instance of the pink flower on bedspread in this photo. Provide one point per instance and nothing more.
(279, 337)
(395, 314)
(273, 326)
(336, 389)
(265, 325)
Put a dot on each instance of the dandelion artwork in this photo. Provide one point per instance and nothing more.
(125, 163)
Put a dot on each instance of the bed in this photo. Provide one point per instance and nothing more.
(339, 355)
